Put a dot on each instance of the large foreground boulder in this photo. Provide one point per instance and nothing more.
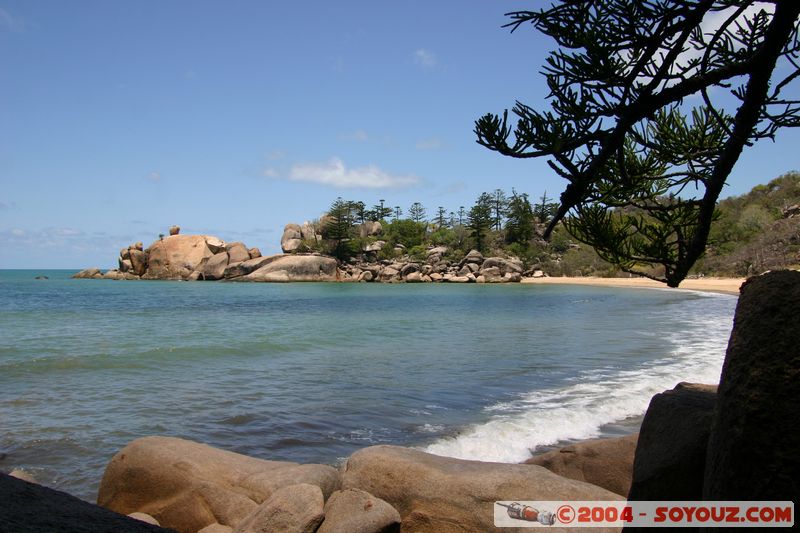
(188, 486)
(296, 268)
(176, 256)
(607, 463)
(29, 508)
(356, 511)
(442, 494)
(755, 436)
(671, 452)
(293, 509)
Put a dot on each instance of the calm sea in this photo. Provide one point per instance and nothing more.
(313, 372)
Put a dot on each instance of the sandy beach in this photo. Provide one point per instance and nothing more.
(718, 285)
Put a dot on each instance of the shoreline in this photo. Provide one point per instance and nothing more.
(714, 285)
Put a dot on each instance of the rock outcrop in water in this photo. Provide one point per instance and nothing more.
(205, 257)
(208, 258)
(177, 257)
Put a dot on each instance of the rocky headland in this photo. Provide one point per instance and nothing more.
(208, 258)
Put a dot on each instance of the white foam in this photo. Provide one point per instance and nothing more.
(579, 410)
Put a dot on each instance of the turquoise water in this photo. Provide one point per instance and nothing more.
(313, 372)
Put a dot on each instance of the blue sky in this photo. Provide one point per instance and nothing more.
(119, 119)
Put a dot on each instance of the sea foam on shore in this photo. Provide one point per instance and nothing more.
(579, 410)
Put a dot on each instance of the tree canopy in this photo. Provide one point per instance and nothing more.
(644, 167)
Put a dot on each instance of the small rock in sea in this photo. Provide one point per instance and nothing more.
(23, 475)
(144, 517)
(41, 277)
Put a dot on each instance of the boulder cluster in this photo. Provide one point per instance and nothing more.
(191, 487)
(294, 235)
(437, 266)
(205, 257)
(473, 268)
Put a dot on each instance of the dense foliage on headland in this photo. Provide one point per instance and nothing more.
(752, 233)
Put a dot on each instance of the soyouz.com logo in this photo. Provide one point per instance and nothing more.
(644, 514)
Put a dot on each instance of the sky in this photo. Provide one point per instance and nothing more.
(120, 119)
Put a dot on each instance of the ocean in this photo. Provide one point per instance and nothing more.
(311, 372)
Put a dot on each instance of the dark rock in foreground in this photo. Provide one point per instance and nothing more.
(755, 435)
(29, 508)
(671, 452)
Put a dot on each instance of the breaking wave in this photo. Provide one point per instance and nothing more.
(579, 409)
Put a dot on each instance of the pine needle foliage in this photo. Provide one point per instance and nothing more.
(644, 163)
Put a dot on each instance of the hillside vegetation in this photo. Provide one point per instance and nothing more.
(754, 232)
(757, 231)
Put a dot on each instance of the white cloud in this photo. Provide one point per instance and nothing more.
(335, 174)
(453, 188)
(10, 23)
(275, 155)
(47, 235)
(433, 143)
(270, 172)
(714, 20)
(425, 58)
(338, 65)
(66, 232)
(154, 177)
(357, 136)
